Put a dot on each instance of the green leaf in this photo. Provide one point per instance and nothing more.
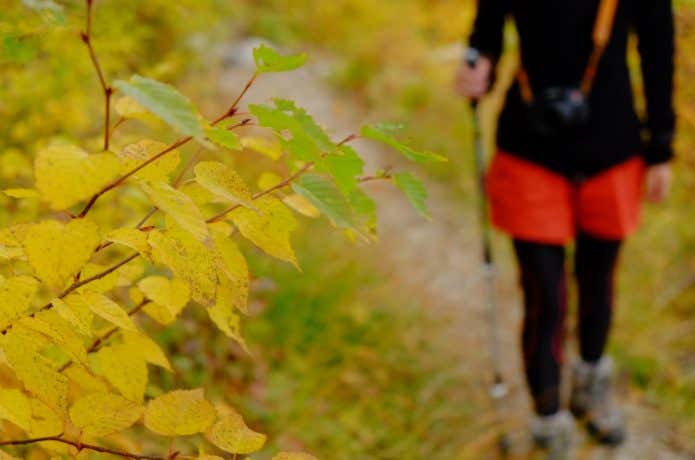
(383, 133)
(365, 211)
(327, 198)
(166, 102)
(414, 191)
(269, 60)
(308, 140)
(223, 138)
(345, 166)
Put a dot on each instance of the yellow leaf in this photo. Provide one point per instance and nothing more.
(84, 378)
(180, 413)
(16, 296)
(301, 205)
(127, 107)
(109, 310)
(134, 155)
(179, 207)
(56, 251)
(149, 349)
(269, 147)
(231, 434)
(66, 174)
(44, 420)
(21, 192)
(294, 456)
(22, 350)
(205, 457)
(223, 181)
(268, 180)
(75, 311)
(102, 414)
(125, 368)
(170, 294)
(58, 331)
(130, 237)
(232, 264)
(224, 316)
(15, 406)
(188, 259)
(5, 456)
(269, 228)
(103, 284)
(159, 313)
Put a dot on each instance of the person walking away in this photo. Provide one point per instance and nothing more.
(573, 162)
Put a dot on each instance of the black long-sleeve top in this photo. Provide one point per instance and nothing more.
(555, 42)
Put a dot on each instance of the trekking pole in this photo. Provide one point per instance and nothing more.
(498, 388)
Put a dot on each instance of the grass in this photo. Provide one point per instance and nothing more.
(341, 365)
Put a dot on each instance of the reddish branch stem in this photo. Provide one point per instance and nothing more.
(86, 37)
(260, 194)
(80, 446)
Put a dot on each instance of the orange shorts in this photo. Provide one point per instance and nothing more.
(533, 203)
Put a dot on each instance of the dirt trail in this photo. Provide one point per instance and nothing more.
(438, 262)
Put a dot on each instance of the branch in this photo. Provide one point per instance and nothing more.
(230, 112)
(104, 337)
(125, 176)
(152, 159)
(97, 276)
(79, 284)
(263, 193)
(348, 139)
(373, 178)
(235, 104)
(86, 37)
(80, 446)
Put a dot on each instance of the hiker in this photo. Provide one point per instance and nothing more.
(573, 163)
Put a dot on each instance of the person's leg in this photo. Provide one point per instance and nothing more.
(595, 262)
(592, 394)
(543, 280)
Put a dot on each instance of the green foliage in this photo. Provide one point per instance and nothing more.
(327, 198)
(414, 190)
(269, 60)
(165, 102)
(382, 133)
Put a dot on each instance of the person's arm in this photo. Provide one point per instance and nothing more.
(488, 29)
(487, 38)
(655, 31)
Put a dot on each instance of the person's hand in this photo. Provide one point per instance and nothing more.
(474, 82)
(658, 182)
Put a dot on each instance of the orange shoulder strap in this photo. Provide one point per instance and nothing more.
(603, 28)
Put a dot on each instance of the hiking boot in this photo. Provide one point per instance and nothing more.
(592, 398)
(554, 433)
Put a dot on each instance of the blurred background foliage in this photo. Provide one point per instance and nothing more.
(341, 363)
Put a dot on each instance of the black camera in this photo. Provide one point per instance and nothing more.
(559, 111)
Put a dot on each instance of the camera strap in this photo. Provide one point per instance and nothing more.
(603, 28)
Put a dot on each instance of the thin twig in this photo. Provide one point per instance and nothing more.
(348, 139)
(80, 446)
(79, 284)
(373, 178)
(263, 193)
(86, 37)
(104, 337)
(230, 112)
(235, 105)
(125, 176)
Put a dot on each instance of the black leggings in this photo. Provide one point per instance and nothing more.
(544, 283)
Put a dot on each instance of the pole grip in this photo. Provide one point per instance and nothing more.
(471, 58)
